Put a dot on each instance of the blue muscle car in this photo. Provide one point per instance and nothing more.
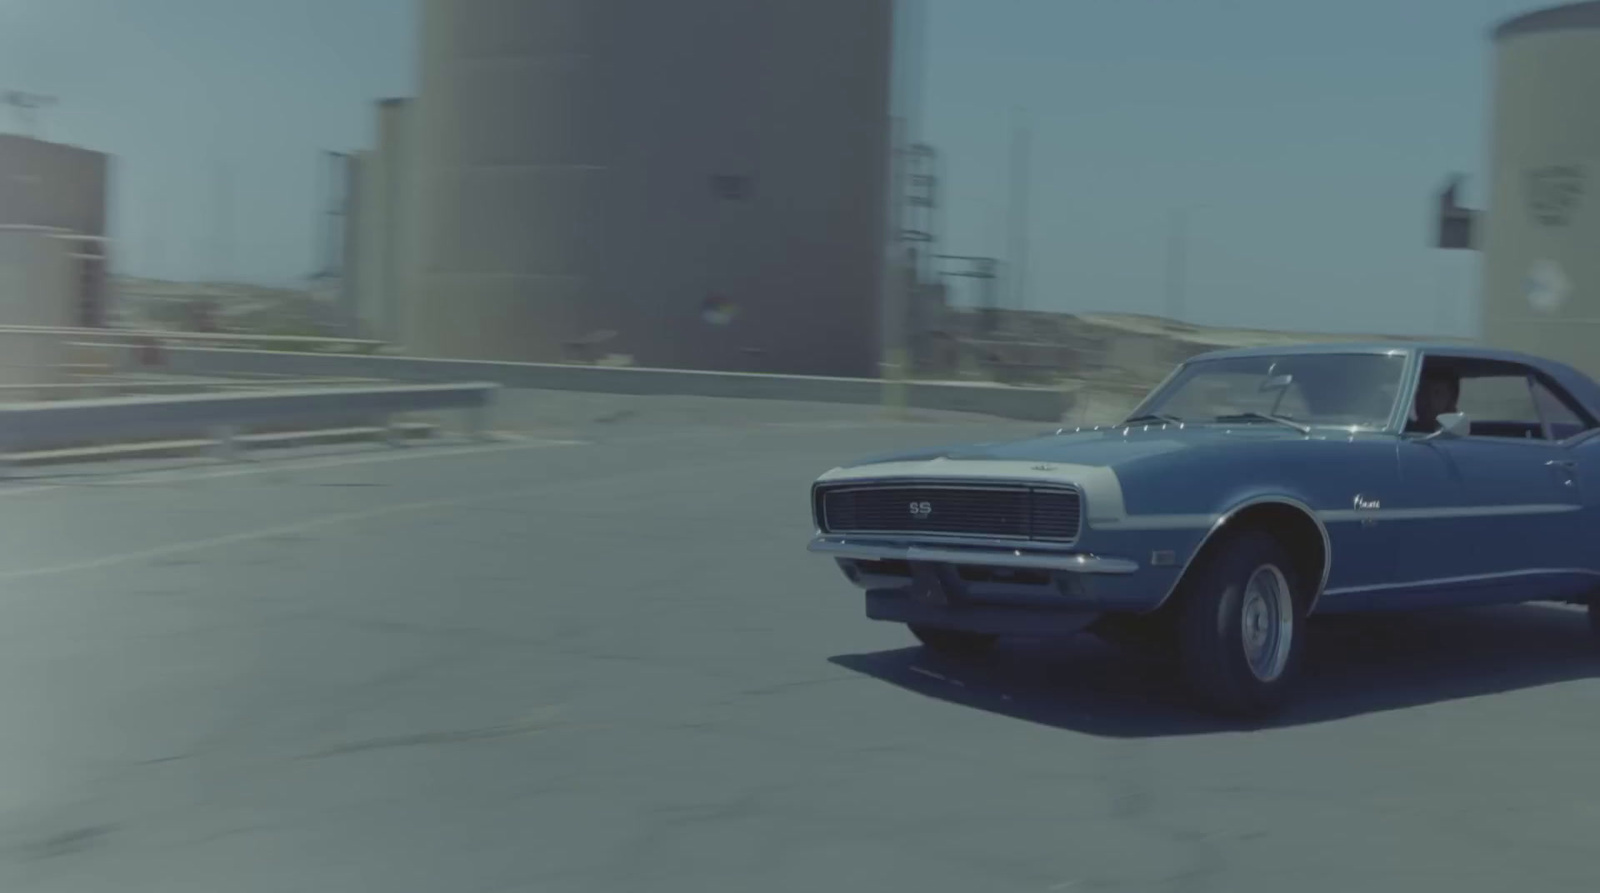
(1249, 490)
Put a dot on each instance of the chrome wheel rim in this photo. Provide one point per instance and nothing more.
(1266, 621)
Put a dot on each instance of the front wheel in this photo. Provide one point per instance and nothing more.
(953, 642)
(1242, 626)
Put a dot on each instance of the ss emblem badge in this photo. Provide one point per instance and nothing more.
(920, 510)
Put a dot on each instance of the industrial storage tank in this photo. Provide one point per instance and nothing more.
(696, 183)
(62, 189)
(1541, 275)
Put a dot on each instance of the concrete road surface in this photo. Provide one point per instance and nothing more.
(596, 657)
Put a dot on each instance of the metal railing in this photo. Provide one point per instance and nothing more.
(196, 339)
(52, 362)
(222, 418)
(133, 385)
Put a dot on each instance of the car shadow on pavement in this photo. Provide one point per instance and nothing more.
(1354, 665)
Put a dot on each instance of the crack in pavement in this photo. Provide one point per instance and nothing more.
(423, 739)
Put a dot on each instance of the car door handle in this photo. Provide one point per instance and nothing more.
(1564, 464)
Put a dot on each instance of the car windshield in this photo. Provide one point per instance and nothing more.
(1354, 390)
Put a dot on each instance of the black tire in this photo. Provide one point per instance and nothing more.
(953, 642)
(1216, 657)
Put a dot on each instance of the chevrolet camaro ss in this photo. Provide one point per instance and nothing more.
(1250, 490)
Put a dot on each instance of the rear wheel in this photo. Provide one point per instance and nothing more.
(1241, 626)
(956, 643)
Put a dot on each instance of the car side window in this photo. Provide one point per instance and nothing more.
(1559, 412)
(1501, 405)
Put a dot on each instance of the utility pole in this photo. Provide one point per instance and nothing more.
(1177, 264)
(1021, 139)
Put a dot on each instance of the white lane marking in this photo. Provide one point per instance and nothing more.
(182, 475)
(264, 533)
(22, 491)
(932, 675)
(300, 527)
(242, 537)
(399, 455)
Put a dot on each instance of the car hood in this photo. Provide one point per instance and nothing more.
(1101, 447)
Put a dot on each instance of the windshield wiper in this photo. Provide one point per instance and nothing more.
(1263, 417)
(1153, 417)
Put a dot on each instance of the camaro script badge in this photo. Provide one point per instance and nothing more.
(1364, 503)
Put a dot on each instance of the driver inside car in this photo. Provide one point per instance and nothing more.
(1437, 394)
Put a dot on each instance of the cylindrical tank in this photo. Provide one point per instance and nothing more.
(694, 184)
(1541, 276)
(38, 287)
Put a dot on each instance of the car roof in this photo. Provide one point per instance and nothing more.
(1326, 347)
(1581, 386)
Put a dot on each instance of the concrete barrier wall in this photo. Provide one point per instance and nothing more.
(62, 424)
(1027, 404)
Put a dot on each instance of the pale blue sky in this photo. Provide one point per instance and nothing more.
(1306, 137)
(180, 89)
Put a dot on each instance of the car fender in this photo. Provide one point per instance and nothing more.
(1239, 503)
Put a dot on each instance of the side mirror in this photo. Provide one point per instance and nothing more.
(1453, 424)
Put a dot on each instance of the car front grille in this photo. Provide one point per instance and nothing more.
(1022, 512)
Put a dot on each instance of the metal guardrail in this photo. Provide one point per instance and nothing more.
(109, 386)
(1023, 403)
(223, 417)
(230, 355)
(194, 338)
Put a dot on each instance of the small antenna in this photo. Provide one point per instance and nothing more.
(25, 107)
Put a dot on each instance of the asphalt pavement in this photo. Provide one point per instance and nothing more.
(594, 655)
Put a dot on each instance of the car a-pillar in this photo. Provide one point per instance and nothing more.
(1239, 610)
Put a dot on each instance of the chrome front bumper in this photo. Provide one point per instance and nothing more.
(867, 549)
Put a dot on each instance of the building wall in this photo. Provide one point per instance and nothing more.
(591, 166)
(63, 188)
(1543, 220)
(364, 216)
(353, 280)
(395, 144)
(50, 184)
(37, 281)
(375, 249)
(39, 285)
